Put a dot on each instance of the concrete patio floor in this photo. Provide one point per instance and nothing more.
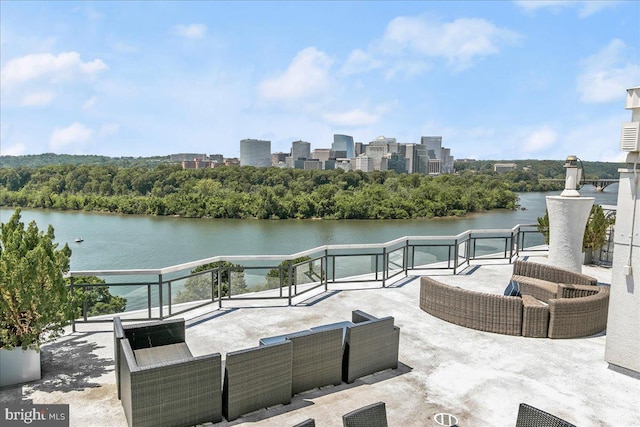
(479, 377)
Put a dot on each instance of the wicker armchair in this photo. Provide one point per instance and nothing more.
(371, 345)
(374, 415)
(528, 416)
(317, 359)
(256, 378)
(159, 382)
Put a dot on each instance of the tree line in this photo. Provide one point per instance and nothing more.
(545, 168)
(249, 192)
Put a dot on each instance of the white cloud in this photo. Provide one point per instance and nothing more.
(585, 8)
(46, 65)
(308, 74)
(540, 139)
(462, 42)
(193, 31)
(598, 139)
(352, 118)
(76, 133)
(608, 73)
(37, 99)
(360, 61)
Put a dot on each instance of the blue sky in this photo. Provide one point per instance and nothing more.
(497, 80)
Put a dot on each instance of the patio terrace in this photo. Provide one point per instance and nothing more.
(477, 376)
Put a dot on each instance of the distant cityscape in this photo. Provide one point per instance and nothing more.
(428, 157)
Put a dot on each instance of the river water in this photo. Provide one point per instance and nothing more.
(116, 242)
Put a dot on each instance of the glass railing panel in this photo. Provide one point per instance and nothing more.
(356, 267)
(308, 272)
(422, 257)
(395, 262)
(489, 247)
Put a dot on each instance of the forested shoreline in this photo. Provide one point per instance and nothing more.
(261, 193)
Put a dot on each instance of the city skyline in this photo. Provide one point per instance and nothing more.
(498, 80)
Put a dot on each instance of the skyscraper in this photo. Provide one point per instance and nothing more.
(300, 150)
(255, 152)
(343, 143)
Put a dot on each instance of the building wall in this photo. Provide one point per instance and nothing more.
(344, 143)
(179, 157)
(433, 143)
(322, 154)
(364, 163)
(279, 159)
(255, 152)
(504, 167)
(300, 150)
(623, 325)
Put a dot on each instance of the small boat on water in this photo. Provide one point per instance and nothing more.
(79, 240)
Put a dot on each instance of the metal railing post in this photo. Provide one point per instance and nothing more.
(455, 256)
(160, 292)
(73, 323)
(219, 286)
(290, 281)
(149, 300)
(405, 257)
(385, 266)
(324, 266)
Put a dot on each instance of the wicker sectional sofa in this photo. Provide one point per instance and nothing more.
(160, 383)
(546, 308)
(541, 280)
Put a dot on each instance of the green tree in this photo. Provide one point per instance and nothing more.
(273, 276)
(595, 233)
(97, 300)
(198, 286)
(35, 303)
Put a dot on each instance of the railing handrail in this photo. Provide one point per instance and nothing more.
(280, 258)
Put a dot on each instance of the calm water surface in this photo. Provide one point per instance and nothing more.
(125, 241)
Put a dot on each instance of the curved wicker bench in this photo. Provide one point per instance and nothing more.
(580, 316)
(581, 312)
(476, 310)
(541, 280)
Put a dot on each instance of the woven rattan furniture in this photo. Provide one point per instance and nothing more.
(582, 312)
(535, 317)
(257, 378)
(374, 415)
(528, 416)
(317, 359)
(541, 280)
(476, 310)
(580, 316)
(371, 345)
(159, 382)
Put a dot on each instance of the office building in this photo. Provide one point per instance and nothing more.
(279, 159)
(255, 152)
(343, 144)
(300, 150)
(180, 157)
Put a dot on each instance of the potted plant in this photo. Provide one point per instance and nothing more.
(595, 233)
(35, 303)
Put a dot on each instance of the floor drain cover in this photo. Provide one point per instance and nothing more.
(446, 419)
